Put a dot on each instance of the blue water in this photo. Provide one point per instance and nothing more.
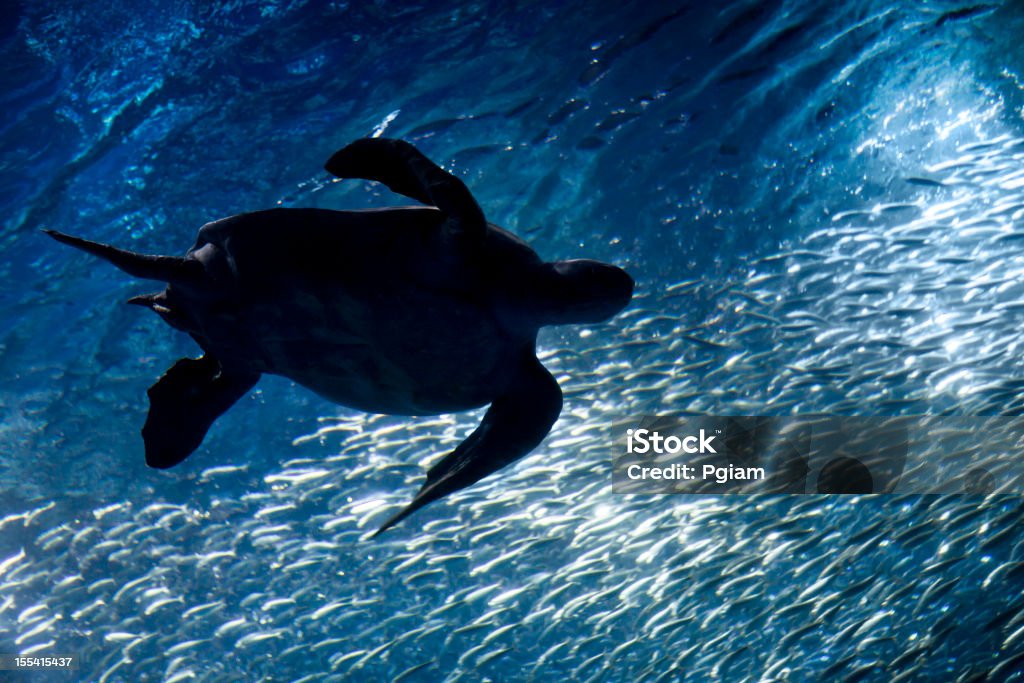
(682, 142)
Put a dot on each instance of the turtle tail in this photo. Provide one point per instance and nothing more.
(172, 269)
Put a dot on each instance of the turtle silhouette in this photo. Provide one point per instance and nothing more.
(407, 311)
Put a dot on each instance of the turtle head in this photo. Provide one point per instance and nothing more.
(583, 291)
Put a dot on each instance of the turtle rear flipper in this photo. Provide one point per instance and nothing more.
(405, 170)
(184, 403)
(515, 423)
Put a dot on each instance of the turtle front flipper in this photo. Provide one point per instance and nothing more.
(184, 403)
(514, 425)
(405, 170)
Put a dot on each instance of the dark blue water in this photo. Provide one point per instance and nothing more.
(842, 182)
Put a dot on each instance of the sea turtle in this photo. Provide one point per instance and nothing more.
(407, 311)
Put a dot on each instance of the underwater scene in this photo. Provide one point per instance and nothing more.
(821, 205)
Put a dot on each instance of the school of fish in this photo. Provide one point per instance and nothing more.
(541, 573)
